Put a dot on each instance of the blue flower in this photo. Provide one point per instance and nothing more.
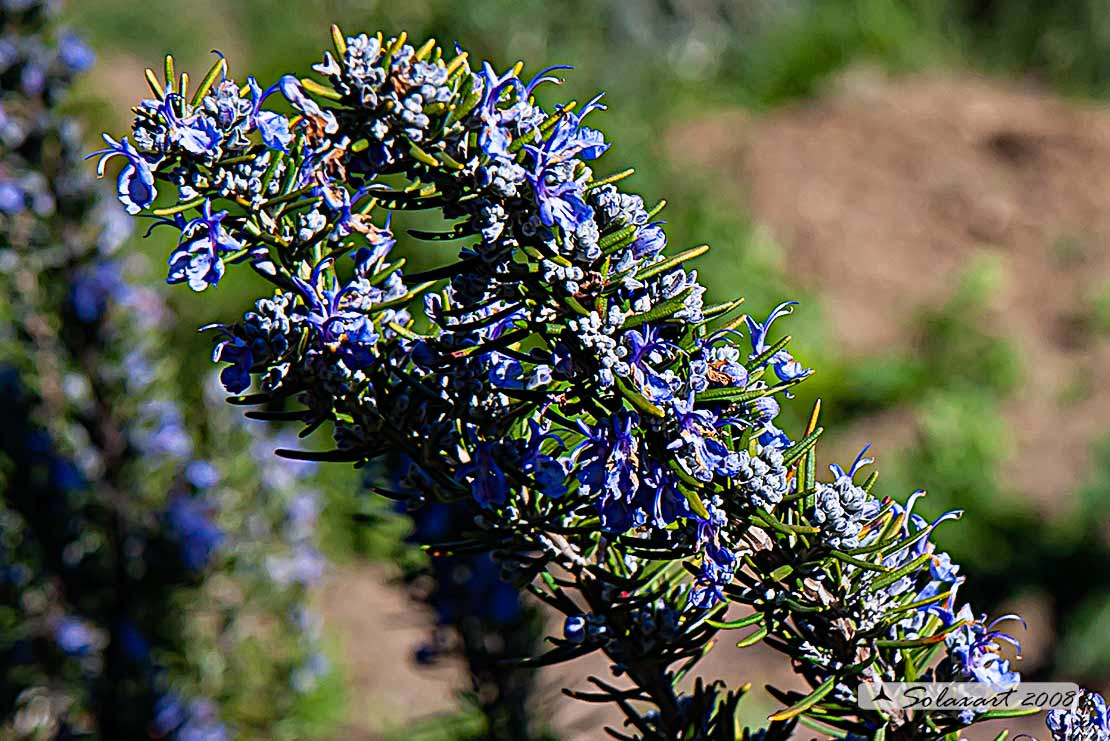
(74, 636)
(1087, 722)
(973, 650)
(561, 199)
(317, 119)
(607, 469)
(190, 519)
(135, 184)
(574, 628)
(660, 492)
(495, 134)
(197, 259)
(75, 53)
(644, 347)
(716, 571)
(273, 127)
(236, 377)
(569, 139)
(196, 133)
(488, 484)
(701, 453)
(547, 471)
(348, 333)
(782, 362)
(649, 242)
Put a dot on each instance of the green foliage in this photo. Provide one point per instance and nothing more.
(803, 46)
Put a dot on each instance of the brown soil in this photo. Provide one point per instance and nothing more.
(882, 192)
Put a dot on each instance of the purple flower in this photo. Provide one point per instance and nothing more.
(135, 184)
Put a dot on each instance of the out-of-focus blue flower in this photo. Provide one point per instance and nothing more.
(135, 184)
(160, 430)
(202, 474)
(75, 53)
(74, 636)
(195, 721)
(190, 519)
(94, 288)
(11, 197)
(304, 565)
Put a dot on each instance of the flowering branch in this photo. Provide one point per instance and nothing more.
(618, 434)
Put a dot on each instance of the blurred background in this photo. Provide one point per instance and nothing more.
(931, 179)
